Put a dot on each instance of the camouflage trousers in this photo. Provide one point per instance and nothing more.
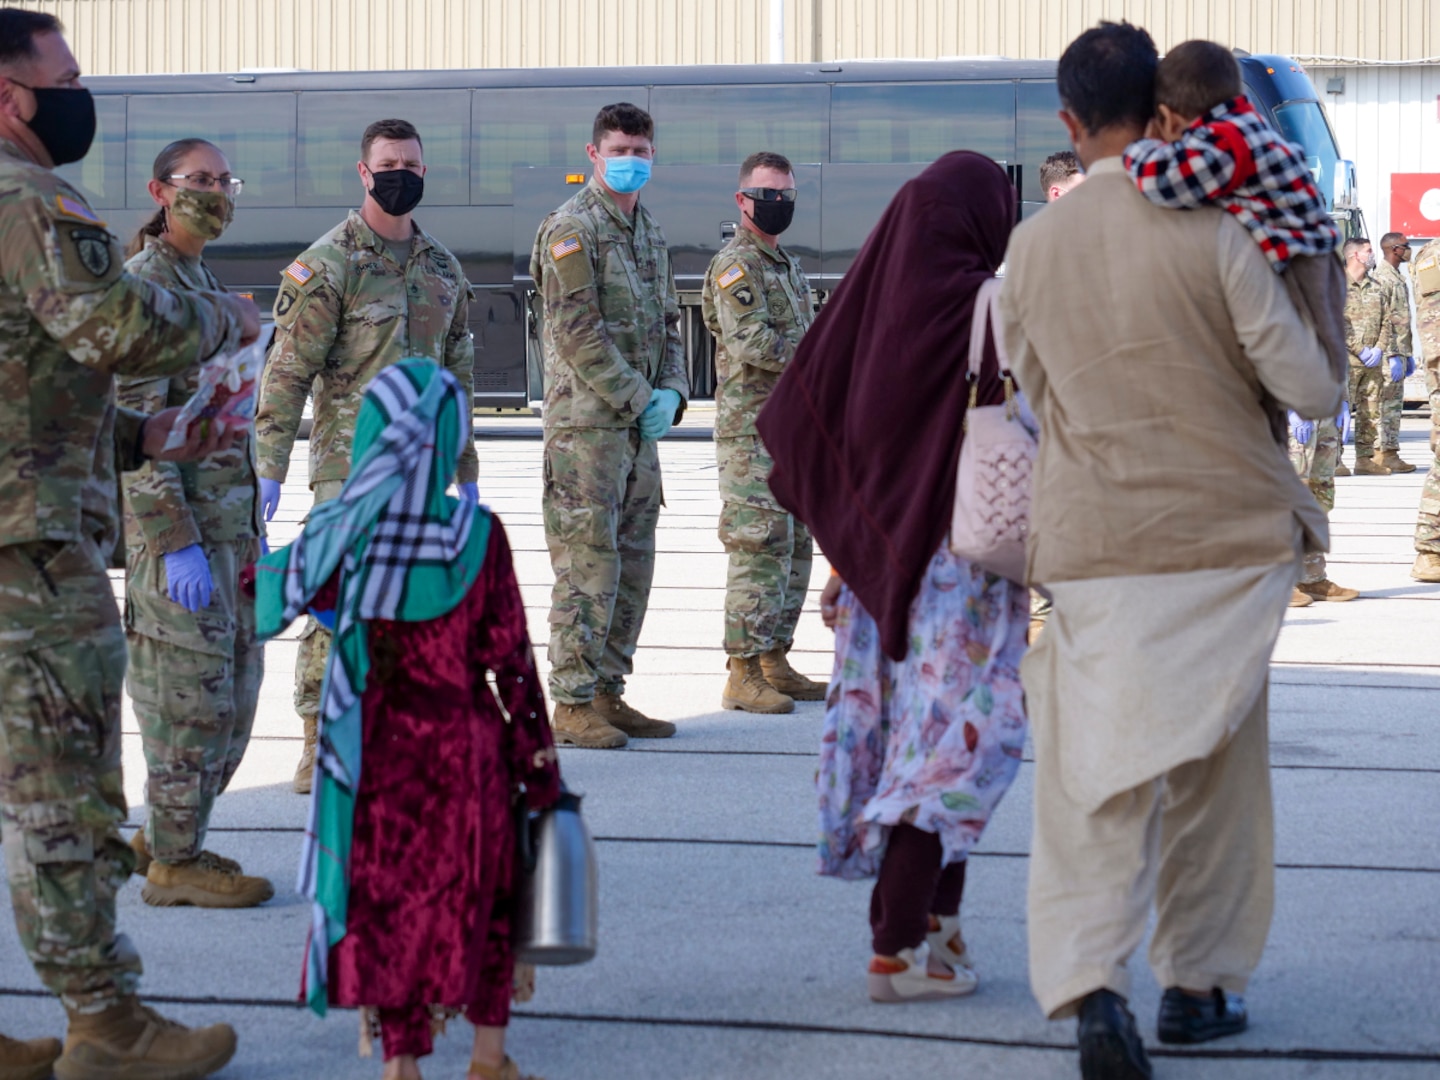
(601, 500)
(62, 672)
(770, 553)
(1315, 463)
(314, 652)
(1427, 525)
(1367, 389)
(196, 706)
(1392, 408)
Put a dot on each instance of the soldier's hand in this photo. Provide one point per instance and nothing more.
(829, 601)
(249, 318)
(201, 440)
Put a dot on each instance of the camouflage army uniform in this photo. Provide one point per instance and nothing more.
(1315, 463)
(346, 311)
(194, 678)
(611, 336)
(1368, 322)
(1427, 309)
(1392, 398)
(757, 303)
(70, 319)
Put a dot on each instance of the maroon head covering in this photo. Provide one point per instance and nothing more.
(865, 425)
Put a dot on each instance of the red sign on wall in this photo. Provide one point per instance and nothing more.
(1415, 203)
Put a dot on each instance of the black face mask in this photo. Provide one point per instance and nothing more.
(397, 191)
(772, 218)
(64, 121)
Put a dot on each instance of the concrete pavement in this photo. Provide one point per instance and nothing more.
(724, 956)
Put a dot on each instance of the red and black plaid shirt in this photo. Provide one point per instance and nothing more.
(1232, 158)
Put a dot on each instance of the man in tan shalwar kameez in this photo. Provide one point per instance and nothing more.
(1168, 526)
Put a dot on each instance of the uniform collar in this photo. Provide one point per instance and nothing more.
(608, 202)
(752, 239)
(171, 252)
(367, 237)
(12, 149)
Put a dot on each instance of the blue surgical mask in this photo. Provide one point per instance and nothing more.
(626, 174)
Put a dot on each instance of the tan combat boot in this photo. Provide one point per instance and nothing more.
(582, 725)
(203, 882)
(1327, 590)
(749, 691)
(775, 666)
(1365, 466)
(1341, 469)
(305, 771)
(1299, 599)
(143, 859)
(131, 1042)
(631, 721)
(32, 1059)
(1392, 460)
(1427, 567)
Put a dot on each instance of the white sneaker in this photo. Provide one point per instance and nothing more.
(944, 941)
(908, 978)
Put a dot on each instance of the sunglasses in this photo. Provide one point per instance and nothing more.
(769, 194)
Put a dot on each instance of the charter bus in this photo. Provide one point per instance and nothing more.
(506, 147)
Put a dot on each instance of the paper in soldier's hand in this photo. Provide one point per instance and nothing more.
(226, 395)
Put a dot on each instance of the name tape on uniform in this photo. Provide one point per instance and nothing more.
(729, 277)
(298, 272)
(71, 208)
(569, 246)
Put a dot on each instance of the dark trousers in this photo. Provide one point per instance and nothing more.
(911, 887)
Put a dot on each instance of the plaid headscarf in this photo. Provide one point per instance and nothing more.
(405, 551)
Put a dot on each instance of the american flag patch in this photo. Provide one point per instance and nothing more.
(298, 272)
(569, 246)
(76, 209)
(729, 277)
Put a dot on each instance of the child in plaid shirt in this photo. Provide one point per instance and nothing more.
(1214, 148)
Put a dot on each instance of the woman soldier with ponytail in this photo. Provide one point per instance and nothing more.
(195, 666)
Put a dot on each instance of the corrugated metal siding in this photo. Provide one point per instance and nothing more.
(1387, 121)
(128, 36)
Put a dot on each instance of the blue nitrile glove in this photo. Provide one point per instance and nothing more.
(1370, 356)
(188, 574)
(470, 493)
(1345, 424)
(269, 497)
(1409, 366)
(324, 618)
(264, 547)
(659, 415)
(1397, 367)
(1301, 430)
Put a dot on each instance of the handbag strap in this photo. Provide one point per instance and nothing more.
(987, 306)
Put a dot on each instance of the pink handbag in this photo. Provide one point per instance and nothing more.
(993, 483)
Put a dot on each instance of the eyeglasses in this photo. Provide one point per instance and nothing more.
(205, 182)
(769, 194)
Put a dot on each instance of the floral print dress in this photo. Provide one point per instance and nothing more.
(933, 741)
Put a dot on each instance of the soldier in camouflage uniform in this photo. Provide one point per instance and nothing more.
(1315, 451)
(195, 668)
(355, 302)
(614, 384)
(1370, 331)
(1394, 250)
(73, 320)
(757, 303)
(1425, 273)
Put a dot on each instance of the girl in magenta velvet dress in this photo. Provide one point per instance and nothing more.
(411, 846)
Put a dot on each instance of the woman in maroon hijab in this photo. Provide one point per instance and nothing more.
(925, 721)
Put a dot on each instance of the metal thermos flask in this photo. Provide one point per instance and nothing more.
(558, 916)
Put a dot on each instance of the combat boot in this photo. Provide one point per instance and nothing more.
(1392, 460)
(131, 1042)
(1427, 567)
(582, 725)
(1365, 466)
(143, 858)
(1327, 590)
(305, 771)
(631, 721)
(749, 691)
(32, 1059)
(1341, 469)
(203, 882)
(1299, 599)
(775, 666)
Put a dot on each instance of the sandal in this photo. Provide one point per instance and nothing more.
(507, 1070)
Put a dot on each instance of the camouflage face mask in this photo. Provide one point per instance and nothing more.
(202, 213)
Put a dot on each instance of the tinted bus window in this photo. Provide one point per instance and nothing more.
(256, 131)
(1303, 122)
(331, 126)
(532, 128)
(918, 122)
(723, 125)
(101, 176)
(1038, 133)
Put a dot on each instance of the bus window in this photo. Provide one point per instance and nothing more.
(331, 124)
(918, 122)
(1303, 122)
(101, 175)
(532, 128)
(1038, 134)
(723, 125)
(256, 131)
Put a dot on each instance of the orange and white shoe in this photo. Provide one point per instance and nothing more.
(947, 944)
(912, 976)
